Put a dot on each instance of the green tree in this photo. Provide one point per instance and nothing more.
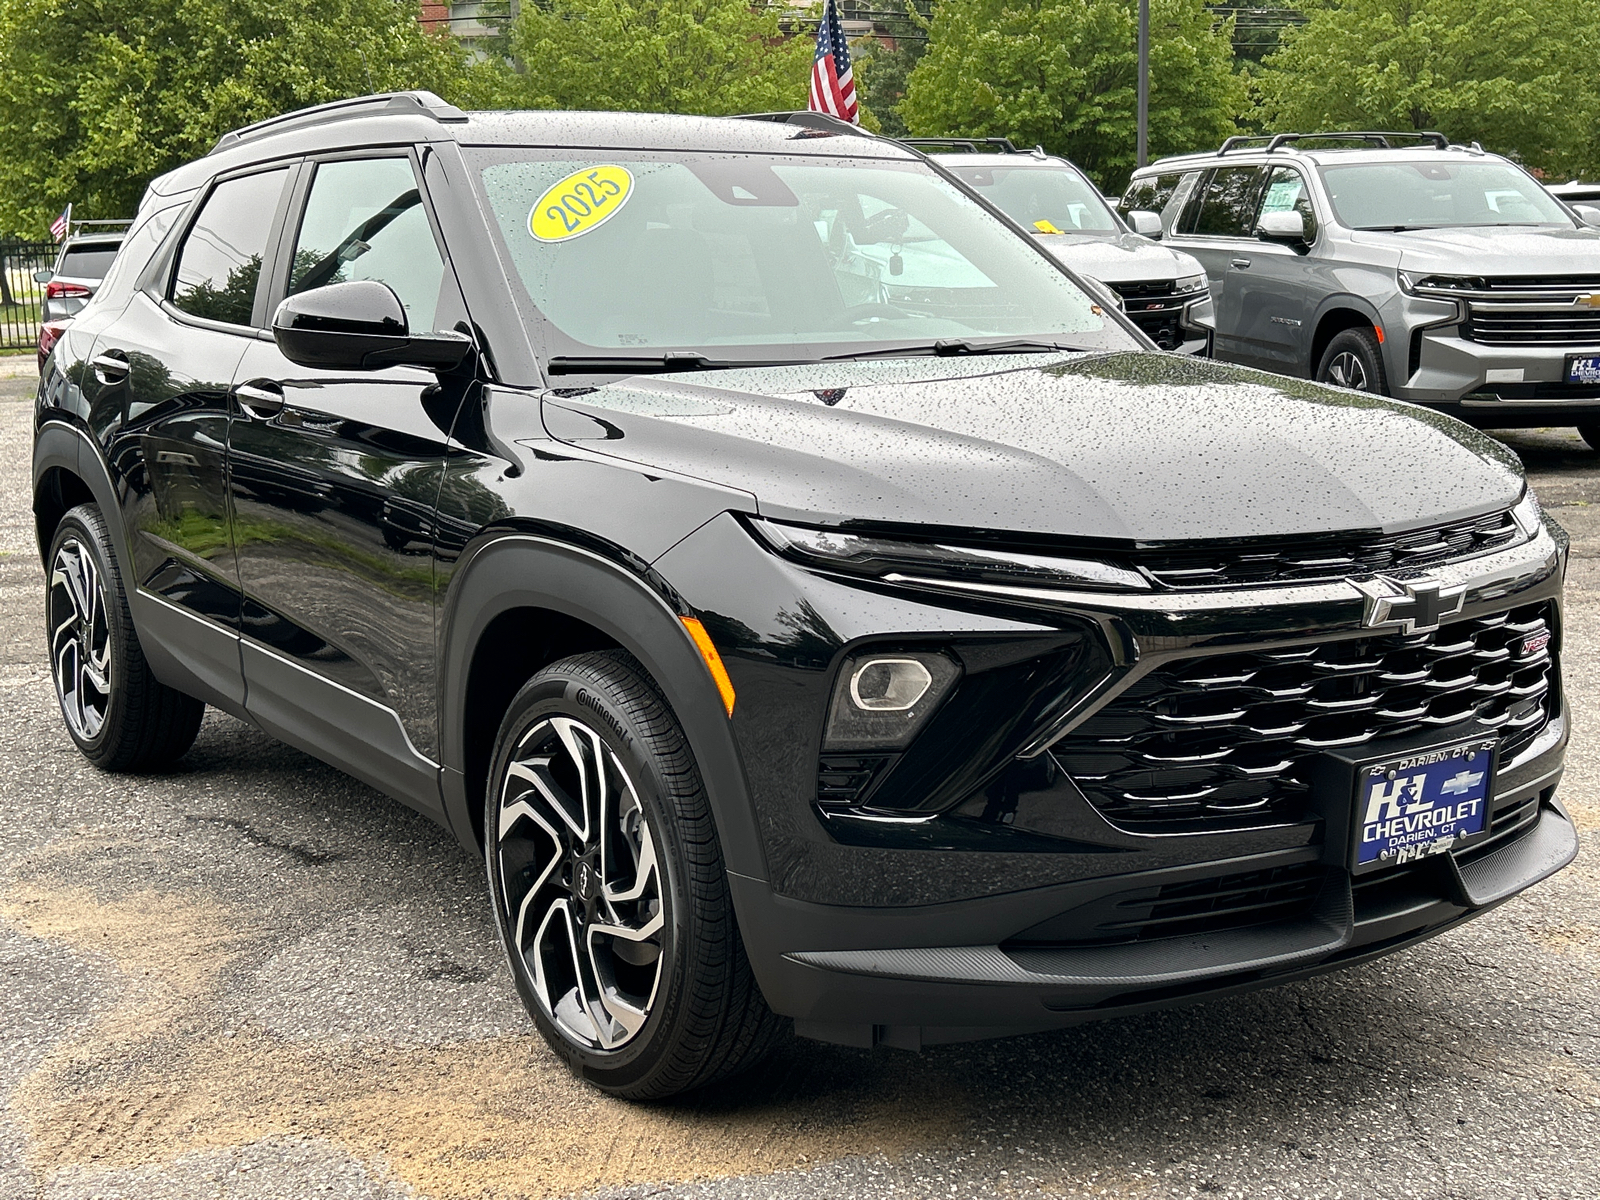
(881, 73)
(99, 96)
(713, 57)
(1515, 75)
(1064, 74)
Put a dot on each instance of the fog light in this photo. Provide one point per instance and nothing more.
(881, 701)
(889, 684)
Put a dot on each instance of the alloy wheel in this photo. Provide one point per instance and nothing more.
(1346, 370)
(580, 883)
(80, 639)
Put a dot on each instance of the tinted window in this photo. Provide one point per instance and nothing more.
(219, 263)
(1149, 194)
(1049, 199)
(1287, 192)
(87, 262)
(1226, 204)
(1429, 194)
(365, 220)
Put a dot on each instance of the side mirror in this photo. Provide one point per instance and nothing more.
(1146, 224)
(359, 326)
(1282, 227)
(1588, 214)
(44, 276)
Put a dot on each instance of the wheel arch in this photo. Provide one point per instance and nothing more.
(1338, 314)
(68, 471)
(519, 601)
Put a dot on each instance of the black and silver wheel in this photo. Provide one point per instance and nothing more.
(607, 879)
(117, 713)
(1354, 360)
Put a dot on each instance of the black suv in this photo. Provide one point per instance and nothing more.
(809, 601)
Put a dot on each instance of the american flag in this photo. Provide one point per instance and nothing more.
(833, 89)
(58, 227)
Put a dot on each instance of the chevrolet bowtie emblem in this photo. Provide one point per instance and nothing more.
(1417, 606)
(1592, 300)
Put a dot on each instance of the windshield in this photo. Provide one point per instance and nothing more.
(1051, 199)
(753, 257)
(1433, 195)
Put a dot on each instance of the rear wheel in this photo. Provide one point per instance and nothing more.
(1354, 360)
(121, 717)
(608, 882)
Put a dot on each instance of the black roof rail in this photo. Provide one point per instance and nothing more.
(1381, 138)
(974, 144)
(1240, 139)
(807, 120)
(417, 103)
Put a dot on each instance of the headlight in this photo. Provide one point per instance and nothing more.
(1526, 514)
(1190, 283)
(883, 698)
(1437, 285)
(877, 557)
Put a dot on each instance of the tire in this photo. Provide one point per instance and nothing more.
(1591, 435)
(1354, 360)
(609, 889)
(121, 717)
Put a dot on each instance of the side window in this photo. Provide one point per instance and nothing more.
(365, 220)
(219, 263)
(1225, 205)
(1149, 194)
(1287, 192)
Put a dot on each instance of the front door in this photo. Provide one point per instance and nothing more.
(334, 478)
(171, 356)
(1275, 292)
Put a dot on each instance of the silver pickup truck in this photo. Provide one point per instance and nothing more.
(1393, 263)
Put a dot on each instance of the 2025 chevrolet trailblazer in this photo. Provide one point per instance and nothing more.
(810, 601)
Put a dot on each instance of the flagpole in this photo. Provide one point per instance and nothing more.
(1144, 82)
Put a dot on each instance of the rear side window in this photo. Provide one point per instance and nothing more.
(87, 262)
(365, 220)
(1225, 204)
(1149, 194)
(219, 263)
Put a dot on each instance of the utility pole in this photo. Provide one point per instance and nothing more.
(1144, 82)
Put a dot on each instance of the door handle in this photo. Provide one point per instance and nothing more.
(1239, 262)
(110, 368)
(259, 401)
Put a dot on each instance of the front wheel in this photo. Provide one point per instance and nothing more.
(608, 882)
(1354, 360)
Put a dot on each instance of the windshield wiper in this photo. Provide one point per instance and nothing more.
(955, 347)
(646, 364)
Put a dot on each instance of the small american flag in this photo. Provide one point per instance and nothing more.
(58, 227)
(833, 89)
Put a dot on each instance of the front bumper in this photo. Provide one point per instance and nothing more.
(906, 931)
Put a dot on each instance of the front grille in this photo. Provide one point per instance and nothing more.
(843, 779)
(1530, 310)
(1228, 740)
(1155, 306)
(1330, 558)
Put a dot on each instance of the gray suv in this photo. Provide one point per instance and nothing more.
(1436, 273)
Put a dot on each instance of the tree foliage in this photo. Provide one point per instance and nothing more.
(99, 96)
(713, 57)
(1064, 74)
(1515, 75)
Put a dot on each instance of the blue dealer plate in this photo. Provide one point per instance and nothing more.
(1421, 803)
(1583, 368)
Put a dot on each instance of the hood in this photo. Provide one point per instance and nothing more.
(1492, 250)
(1126, 447)
(1118, 257)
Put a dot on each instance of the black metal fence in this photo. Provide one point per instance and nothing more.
(21, 299)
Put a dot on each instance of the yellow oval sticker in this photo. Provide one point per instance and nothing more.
(583, 201)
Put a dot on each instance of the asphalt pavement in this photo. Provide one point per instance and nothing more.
(255, 978)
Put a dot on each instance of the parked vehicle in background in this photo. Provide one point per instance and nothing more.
(1575, 192)
(1393, 263)
(86, 255)
(1163, 291)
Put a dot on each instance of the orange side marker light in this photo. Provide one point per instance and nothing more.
(713, 660)
(1378, 329)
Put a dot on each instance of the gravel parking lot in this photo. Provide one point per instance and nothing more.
(255, 978)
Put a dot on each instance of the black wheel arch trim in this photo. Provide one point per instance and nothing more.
(59, 444)
(520, 570)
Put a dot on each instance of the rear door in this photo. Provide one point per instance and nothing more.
(1215, 227)
(1277, 293)
(334, 480)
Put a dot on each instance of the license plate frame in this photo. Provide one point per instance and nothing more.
(1389, 818)
(1581, 369)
